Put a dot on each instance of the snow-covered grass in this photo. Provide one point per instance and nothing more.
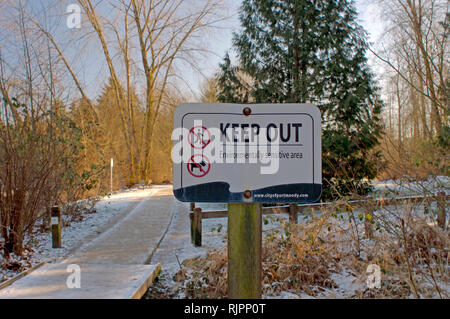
(351, 253)
(420, 255)
(38, 246)
(344, 235)
(409, 187)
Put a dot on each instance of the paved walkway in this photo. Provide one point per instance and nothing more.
(114, 264)
(176, 245)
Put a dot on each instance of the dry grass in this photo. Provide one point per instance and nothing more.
(415, 157)
(427, 244)
(297, 260)
(294, 260)
(303, 258)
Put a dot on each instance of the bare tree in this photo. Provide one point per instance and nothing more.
(164, 29)
(39, 148)
(418, 54)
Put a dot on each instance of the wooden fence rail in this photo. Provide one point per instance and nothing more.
(197, 215)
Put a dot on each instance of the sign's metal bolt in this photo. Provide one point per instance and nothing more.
(247, 111)
(248, 194)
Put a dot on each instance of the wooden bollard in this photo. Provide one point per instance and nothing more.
(368, 224)
(55, 222)
(196, 226)
(191, 219)
(441, 218)
(244, 251)
(293, 213)
(192, 206)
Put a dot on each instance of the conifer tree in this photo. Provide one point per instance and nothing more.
(310, 51)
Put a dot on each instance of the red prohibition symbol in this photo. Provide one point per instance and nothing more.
(199, 137)
(198, 165)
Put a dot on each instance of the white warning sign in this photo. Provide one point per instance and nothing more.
(247, 153)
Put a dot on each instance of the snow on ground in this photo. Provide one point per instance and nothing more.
(108, 211)
(214, 235)
(112, 208)
(349, 284)
(92, 225)
(405, 187)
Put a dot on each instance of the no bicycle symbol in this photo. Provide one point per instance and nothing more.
(199, 137)
(198, 165)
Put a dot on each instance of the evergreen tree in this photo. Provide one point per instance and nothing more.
(231, 88)
(310, 51)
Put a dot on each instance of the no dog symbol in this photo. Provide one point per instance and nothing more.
(198, 165)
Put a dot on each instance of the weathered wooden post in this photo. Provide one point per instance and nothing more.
(112, 165)
(196, 226)
(441, 215)
(56, 227)
(293, 213)
(244, 251)
(368, 224)
(191, 220)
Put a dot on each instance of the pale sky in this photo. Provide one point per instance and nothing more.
(91, 68)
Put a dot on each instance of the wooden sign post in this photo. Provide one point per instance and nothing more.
(56, 227)
(112, 165)
(244, 251)
(246, 155)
